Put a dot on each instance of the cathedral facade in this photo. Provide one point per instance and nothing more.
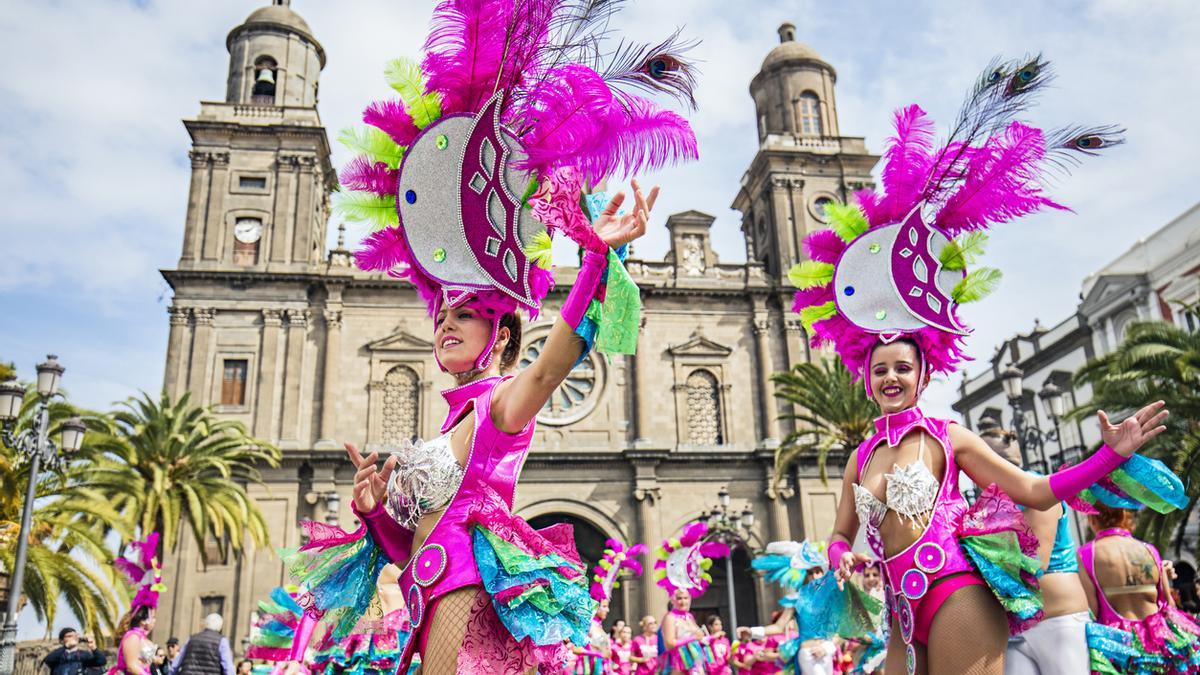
(277, 332)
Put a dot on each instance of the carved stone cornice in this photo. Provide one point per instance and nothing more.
(333, 318)
(204, 316)
(784, 182)
(199, 159)
(653, 494)
(272, 317)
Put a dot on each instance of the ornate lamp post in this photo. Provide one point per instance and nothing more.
(1030, 436)
(734, 529)
(35, 446)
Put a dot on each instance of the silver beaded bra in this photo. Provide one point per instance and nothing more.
(911, 492)
(425, 480)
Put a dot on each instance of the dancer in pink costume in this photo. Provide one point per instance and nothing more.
(682, 569)
(644, 648)
(718, 642)
(140, 565)
(484, 158)
(882, 288)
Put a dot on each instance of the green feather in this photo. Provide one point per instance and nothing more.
(538, 251)
(977, 285)
(379, 212)
(404, 75)
(961, 252)
(846, 220)
(810, 273)
(811, 315)
(375, 144)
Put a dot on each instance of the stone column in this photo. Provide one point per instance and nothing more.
(264, 410)
(285, 179)
(214, 230)
(198, 382)
(302, 229)
(641, 401)
(648, 494)
(175, 353)
(193, 227)
(293, 374)
(332, 375)
(766, 388)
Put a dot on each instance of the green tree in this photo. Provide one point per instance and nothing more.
(166, 463)
(1156, 361)
(834, 412)
(68, 561)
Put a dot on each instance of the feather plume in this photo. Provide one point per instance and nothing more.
(1067, 146)
(957, 254)
(846, 220)
(387, 251)
(810, 273)
(363, 175)
(391, 118)
(824, 246)
(654, 68)
(810, 315)
(375, 144)
(1003, 183)
(909, 162)
(379, 211)
(464, 50)
(812, 297)
(977, 285)
(404, 75)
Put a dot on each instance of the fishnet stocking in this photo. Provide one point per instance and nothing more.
(447, 629)
(969, 634)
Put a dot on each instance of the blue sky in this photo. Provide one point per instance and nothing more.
(94, 169)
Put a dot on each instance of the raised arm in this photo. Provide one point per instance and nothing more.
(985, 467)
(518, 400)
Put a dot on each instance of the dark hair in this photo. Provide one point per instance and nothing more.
(712, 618)
(62, 634)
(239, 665)
(132, 619)
(1110, 517)
(1185, 585)
(508, 358)
(173, 642)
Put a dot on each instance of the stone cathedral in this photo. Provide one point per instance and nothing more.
(277, 332)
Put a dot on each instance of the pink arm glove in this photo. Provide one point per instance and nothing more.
(586, 287)
(395, 541)
(1074, 479)
(304, 631)
(835, 552)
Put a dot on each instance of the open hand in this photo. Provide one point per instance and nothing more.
(846, 566)
(1125, 438)
(370, 483)
(616, 231)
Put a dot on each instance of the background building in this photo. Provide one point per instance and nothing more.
(1147, 282)
(309, 352)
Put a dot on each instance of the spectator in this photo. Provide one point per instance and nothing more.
(245, 667)
(1184, 586)
(71, 658)
(97, 666)
(172, 649)
(206, 652)
(159, 665)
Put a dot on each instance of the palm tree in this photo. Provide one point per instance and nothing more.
(1156, 361)
(68, 561)
(169, 462)
(835, 412)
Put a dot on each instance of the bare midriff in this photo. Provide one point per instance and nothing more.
(1062, 594)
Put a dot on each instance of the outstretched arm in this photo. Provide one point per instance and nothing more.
(518, 400)
(985, 467)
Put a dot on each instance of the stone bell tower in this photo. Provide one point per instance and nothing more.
(803, 160)
(261, 175)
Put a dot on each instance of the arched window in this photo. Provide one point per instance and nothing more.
(399, 418)
(704, 409)
(265, 70)
(808, 113)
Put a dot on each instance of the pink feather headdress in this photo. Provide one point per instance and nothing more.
(140, 565)
(895, 264)
(683, 562)
(607, 572)
(512, 112)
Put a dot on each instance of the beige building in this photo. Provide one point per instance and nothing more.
(308, 352)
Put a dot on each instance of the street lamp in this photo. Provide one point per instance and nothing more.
(734, 529)
(35, 446)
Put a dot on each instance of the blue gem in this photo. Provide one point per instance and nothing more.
(410, 197)
(849, 290)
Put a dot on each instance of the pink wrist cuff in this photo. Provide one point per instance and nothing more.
(835, 552)
(586, 288)
(1074, 479)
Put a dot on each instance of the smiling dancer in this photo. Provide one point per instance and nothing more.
(882, 288)
(483, 158)
(135, 651)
